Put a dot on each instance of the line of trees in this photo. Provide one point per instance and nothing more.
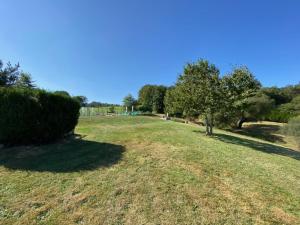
(201, 92)
(150, 99)
(100, 104)
(223, 101)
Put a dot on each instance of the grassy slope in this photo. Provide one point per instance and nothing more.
(149, 171)
(269, 131)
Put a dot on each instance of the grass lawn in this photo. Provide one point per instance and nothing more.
(269, 131)
(143, 170)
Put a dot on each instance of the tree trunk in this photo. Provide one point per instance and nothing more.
(211, 129)
(207, 125)
(240, 122)
(211, 123)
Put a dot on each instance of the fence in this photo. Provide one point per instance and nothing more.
(104, 111)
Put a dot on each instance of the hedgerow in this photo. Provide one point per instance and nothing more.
(35, 116)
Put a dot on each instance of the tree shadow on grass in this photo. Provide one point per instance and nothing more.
(256, 145)
(70, 156)
(267, 132)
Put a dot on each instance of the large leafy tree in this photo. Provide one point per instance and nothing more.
(145, 97)
(173, 101)
(239, 86)
(200, 91)
(151, 98)
(158, 99)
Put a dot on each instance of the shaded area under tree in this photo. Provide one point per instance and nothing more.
(256, 145)
(267, 132)
(70, 156)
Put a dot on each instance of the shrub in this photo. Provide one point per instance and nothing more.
(278, 115)
(144, 108)
(285, 112)
(293, 129)
(111, 109)
(35, 116)
(19, 111)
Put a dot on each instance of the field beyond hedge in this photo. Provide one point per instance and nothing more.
(143, 170)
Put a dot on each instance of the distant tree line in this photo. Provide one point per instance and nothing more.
(223, 101)
(100, 104)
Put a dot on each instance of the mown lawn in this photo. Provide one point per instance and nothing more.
(143, 170)
(269, 131)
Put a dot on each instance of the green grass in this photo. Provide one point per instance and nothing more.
(143, 170)
(269, 131)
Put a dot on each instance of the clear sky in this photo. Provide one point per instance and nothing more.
(107, 49)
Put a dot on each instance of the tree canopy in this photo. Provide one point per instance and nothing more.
(129, 101)
(238, 87)
(198, 92)
(151, 98)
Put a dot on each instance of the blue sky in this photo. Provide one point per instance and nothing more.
(107, 49)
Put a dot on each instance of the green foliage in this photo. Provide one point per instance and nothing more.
(83, 101)
(145, 98)
(111, 109)
(8, 75)
(286, 100)
(239, 86)
(35, 116)
(25, 81)
(285, 111)
(277, 115)
(158, 99)
(58, 115)
(100, 104)
(173, 103)
(62, 93)
(19, 113)
(223, 102)
(259, 106)
(293, 129)
(129, 101)
(151, 98)
(291, 91)
(200, 91)
(279, 95)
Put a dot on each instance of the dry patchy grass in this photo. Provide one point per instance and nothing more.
(142, 170)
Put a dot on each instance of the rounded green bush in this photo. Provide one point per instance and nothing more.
(35, 116)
